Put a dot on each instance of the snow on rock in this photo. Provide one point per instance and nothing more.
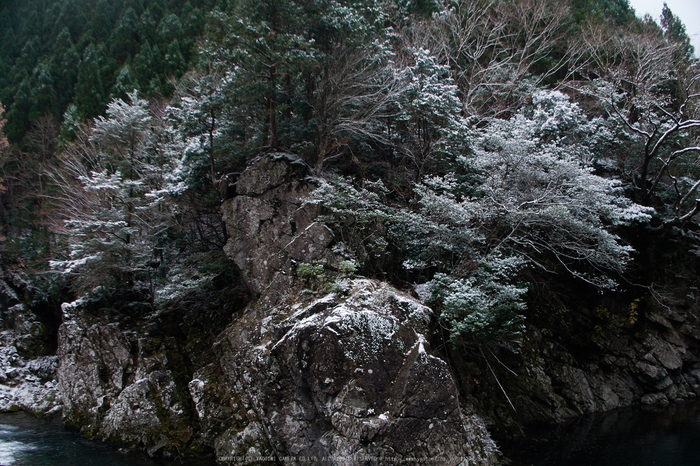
(35, 398)
(346, 377)
(26, 383)
(350, 376)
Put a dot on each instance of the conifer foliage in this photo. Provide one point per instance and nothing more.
(115, 182)
(476, 147)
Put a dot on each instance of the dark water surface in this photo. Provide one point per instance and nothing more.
(28, 441)
(638, 436)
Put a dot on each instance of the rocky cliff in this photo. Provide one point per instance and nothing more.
(586, 361)
(27, 343)
(319, 365)
(299, 359)
(332, 366)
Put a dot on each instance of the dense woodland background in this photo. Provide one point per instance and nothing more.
(503, 152)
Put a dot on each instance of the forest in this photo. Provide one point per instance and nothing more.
(486, 148)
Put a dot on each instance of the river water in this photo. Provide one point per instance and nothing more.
(28, 441)
(637, 436)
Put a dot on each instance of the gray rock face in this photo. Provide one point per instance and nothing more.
(27, 373)
(341, 377)
(117, 385)
(271, 227)
(349, 377)
(654, 361)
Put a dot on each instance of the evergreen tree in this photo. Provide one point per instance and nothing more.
(9, 42)
(674, 31)
(114, 182)
(125, 83)
(428, 121)
(64, 63)
(18, 122)
(174, 61)
(618, 12)
(101, 21)
(72, 16)
(200, 118)
(147, 27)
(55, 32)
(266, 43)
(170, 29)
(43, 98)
(89, 89)
(125, 39)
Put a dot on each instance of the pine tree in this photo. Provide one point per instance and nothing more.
(674, 31)
(43, 98)
(112, 220)
(89, 89)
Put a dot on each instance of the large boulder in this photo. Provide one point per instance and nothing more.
(344, 376)
(272, 227)
(348, 377)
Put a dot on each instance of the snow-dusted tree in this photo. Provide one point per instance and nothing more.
(485, 306)
(480, 296)
(538, 195)
(651, 93)
(428, 123)
(524, 196)
(526, 186)
(200, 117)
(113, 181)
(123, 136)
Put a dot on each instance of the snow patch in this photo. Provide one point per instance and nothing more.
(66, 308)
